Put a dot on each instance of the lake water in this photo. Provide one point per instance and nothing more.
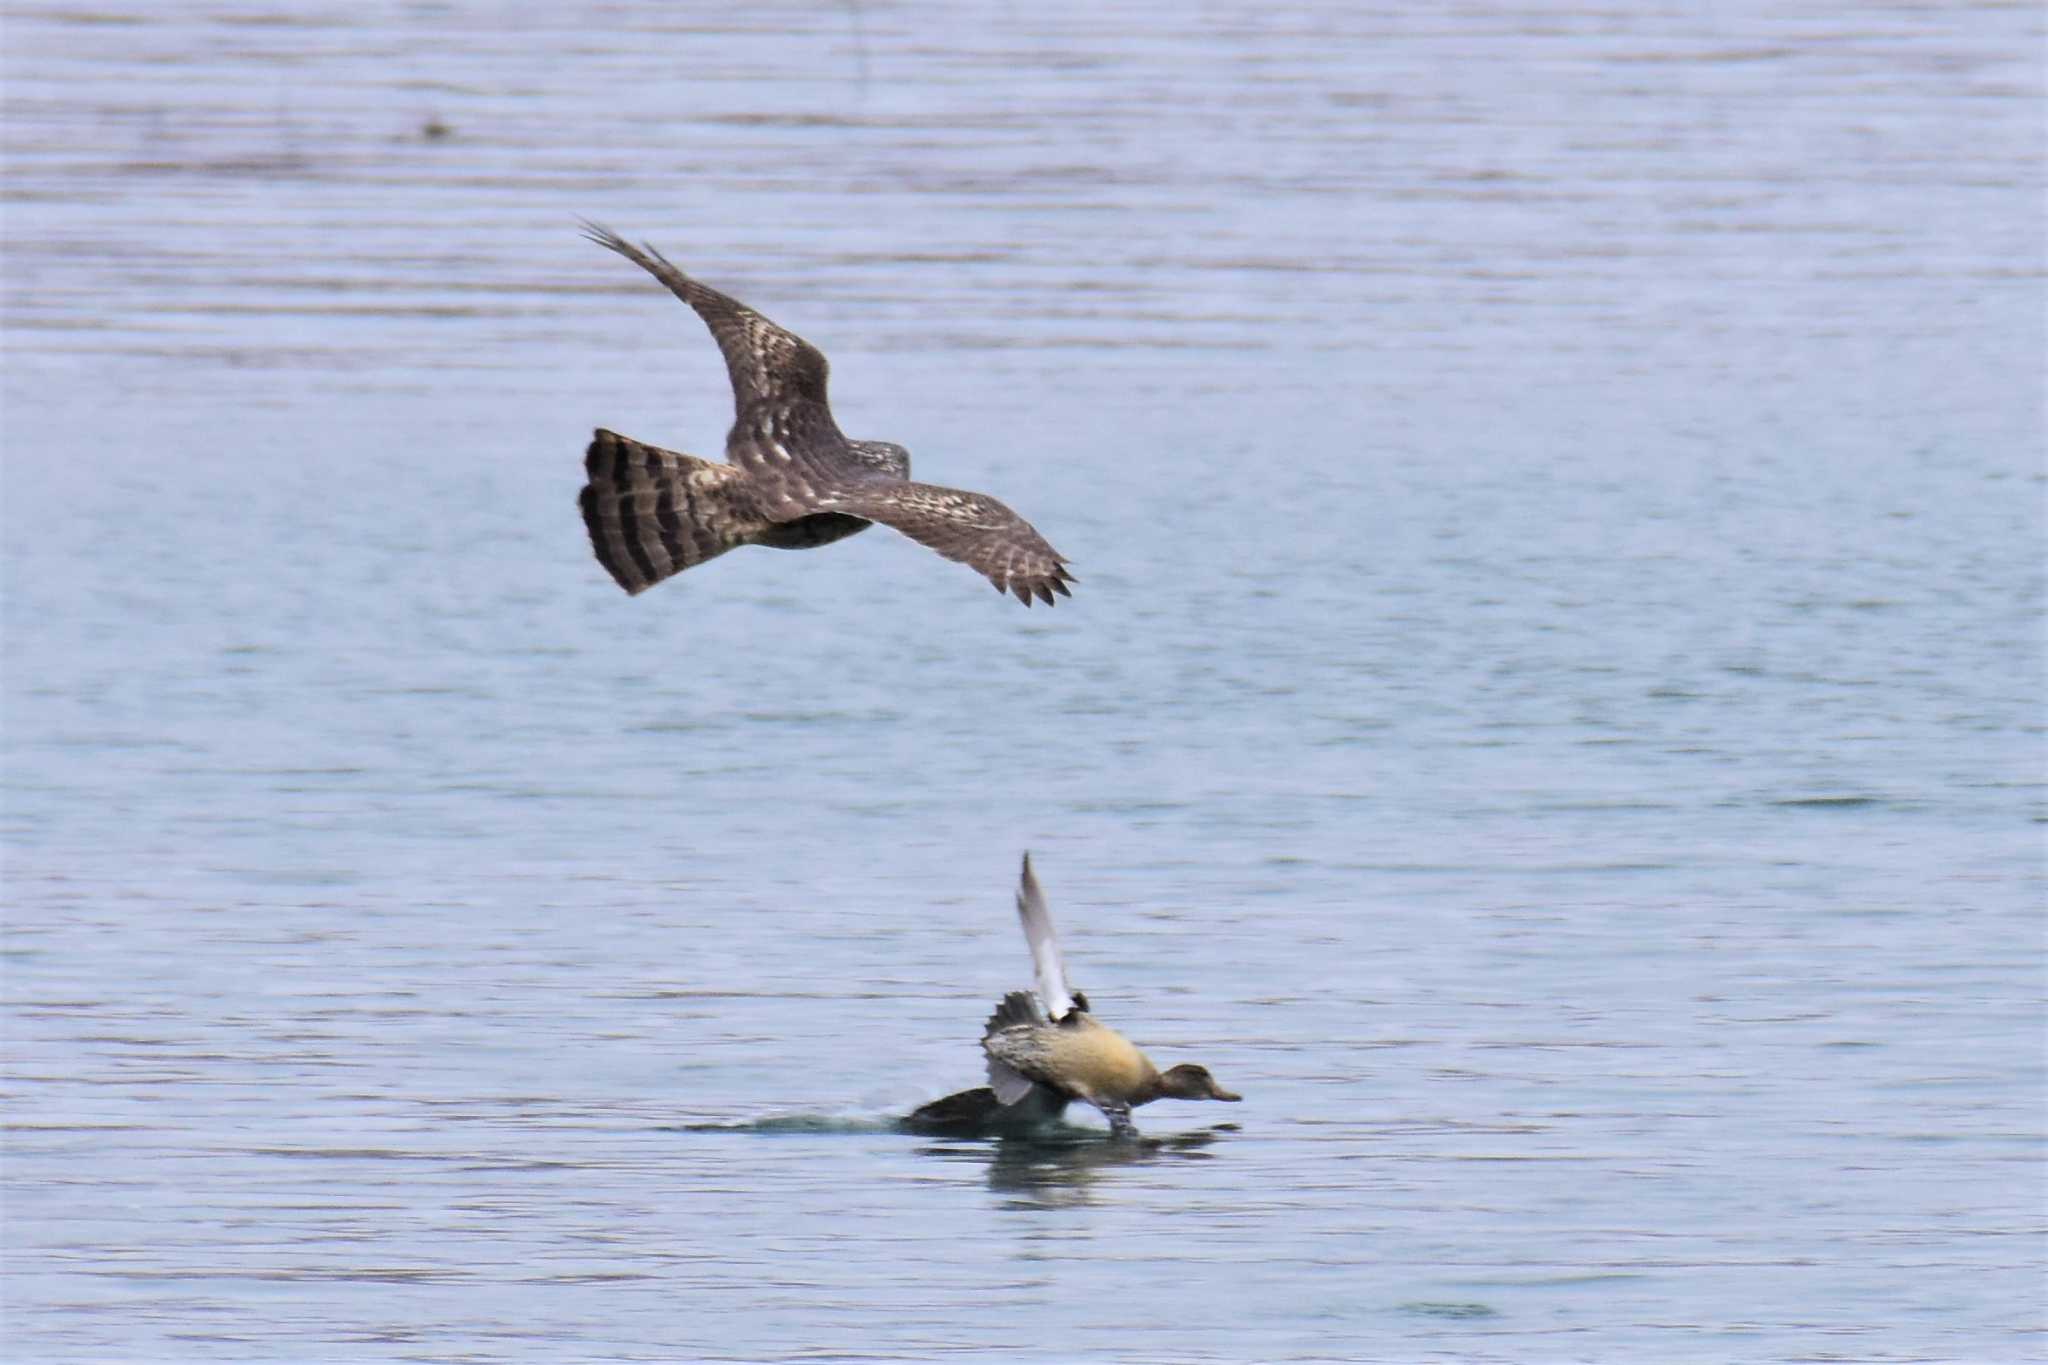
(1551, 711)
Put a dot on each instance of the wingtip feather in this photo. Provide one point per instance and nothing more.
(600, 234)
(1027, 886)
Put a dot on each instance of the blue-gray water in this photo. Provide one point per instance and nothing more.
(1551, 711)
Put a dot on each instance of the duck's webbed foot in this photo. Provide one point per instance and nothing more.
(1120, 1126)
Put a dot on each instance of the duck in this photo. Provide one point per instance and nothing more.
(1046, 1050)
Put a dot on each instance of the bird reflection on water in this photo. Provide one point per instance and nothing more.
(1061, 1164)
(1059, 1161)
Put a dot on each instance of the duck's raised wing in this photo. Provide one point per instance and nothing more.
(1045, 947)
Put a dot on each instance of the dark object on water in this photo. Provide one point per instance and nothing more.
(978, 1113)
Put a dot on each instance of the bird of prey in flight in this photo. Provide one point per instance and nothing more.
(793, 481)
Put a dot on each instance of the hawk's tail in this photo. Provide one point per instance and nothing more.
(652, 513)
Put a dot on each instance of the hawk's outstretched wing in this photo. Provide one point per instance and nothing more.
(764, 360)
(972, 528)
(782, 433)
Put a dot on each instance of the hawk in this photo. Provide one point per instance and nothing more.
(792, 481)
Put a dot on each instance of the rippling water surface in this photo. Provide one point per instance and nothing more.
(1551, 711)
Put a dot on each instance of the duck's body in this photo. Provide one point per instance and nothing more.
(1046, 1050)
(1086, 1058)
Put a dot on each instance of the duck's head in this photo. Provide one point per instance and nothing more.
(1190, 1082)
